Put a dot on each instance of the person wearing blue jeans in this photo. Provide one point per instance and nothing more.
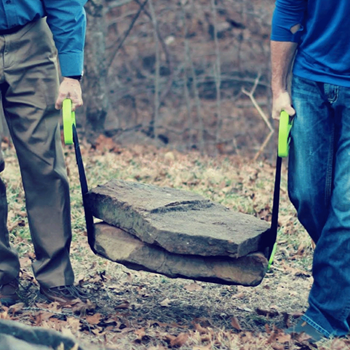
(310, 39)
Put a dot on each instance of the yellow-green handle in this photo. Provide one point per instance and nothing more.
(272, 256)
(285, 125)
(68, 117)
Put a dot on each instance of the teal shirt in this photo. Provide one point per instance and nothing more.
(324, 37)
(66, 19)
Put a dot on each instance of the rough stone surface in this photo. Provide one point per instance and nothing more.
(13, 335)
(119, 246)
(7, 342)
(181, 222)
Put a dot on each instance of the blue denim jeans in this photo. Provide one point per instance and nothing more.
(319, 188)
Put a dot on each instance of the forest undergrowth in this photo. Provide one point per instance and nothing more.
(139, 310)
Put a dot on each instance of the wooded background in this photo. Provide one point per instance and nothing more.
(190, 74)
(185, 74)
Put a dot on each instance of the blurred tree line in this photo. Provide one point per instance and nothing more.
(187, 74)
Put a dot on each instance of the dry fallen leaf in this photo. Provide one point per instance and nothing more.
(96, 331)
(74, 324)
(41, 317)
(239, 295)
(81, 307)
(94, 319)
(235, 324)
(301, 249)
(16, 307)
(169, 338)
(193, 287)
(165, 302)
(313, 244)
(54, 306)
(67, 332)
(283, 338)
(124, 305)
(4, 315)
(267, 313)
(180, 340)
(207, 347)
(301, 337)
(301, 273)
(267, 328)
(206, 338)
(200, 329)
(16, 224)
(106, 144)
(140, 332)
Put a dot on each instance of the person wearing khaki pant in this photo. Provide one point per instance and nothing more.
(29, 87)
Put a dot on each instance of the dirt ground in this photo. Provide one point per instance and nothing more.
(139, 310)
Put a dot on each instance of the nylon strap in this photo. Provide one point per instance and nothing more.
(84, 190)
(272, 235)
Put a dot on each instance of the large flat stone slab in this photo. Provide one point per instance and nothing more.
(181, 222)
(7, 342)
(119, 246)
(15, 335)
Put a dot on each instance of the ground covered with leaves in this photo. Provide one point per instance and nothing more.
(139, 310)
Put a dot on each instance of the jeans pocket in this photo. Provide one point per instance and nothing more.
(304, 87)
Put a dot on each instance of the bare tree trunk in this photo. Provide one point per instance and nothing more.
(95, 71)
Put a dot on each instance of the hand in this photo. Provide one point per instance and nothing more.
(69, 88)
(282, 102)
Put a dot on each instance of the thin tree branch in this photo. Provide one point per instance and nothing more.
(217, 73)
(157, 72)
(168, 58)
(126, 34)
(117, 3)
(189, 109)
(195, 83)
(250, 94)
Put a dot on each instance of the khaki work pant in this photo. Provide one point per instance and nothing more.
(29, 88)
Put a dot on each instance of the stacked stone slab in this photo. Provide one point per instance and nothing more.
(17, 336)
(177, 233)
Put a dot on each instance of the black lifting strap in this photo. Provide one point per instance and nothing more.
(84, 190)
(271, 238)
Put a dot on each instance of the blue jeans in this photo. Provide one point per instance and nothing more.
(319, 188)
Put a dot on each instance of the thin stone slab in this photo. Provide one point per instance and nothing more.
(14, 335)
(181, 222)
(119, 246)
(7, 342)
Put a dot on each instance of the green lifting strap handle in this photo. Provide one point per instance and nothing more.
(71, 137)
(285, 126)
(68, 117)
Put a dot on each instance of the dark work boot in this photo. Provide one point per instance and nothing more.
(8, 293)
(64, 294)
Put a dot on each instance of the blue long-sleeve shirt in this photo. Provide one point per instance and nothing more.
(324, 37)
(66, 19)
